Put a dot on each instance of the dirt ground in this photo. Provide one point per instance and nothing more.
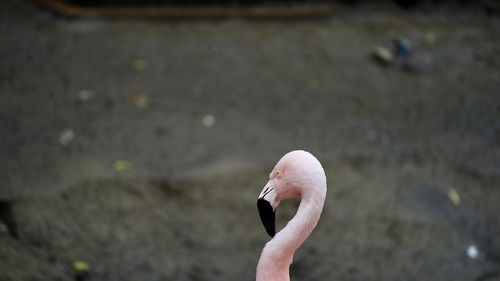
(138, 148)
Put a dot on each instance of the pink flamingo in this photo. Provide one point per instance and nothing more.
(297, 174)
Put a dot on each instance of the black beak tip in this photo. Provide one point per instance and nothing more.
(267, 216)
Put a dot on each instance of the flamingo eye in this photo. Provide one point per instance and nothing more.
(277, 173)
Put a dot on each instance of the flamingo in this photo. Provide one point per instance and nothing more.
(297, 174)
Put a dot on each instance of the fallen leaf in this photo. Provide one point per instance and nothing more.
(140, 64)
(123, 166)
(141, 101)
(81, 266)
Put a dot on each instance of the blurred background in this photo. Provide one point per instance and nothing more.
(134, 147)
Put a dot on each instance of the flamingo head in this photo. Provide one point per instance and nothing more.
(297, 174)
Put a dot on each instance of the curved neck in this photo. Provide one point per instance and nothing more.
(278, 253)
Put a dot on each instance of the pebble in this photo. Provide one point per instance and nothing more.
(383, 56)
(86, 95)
(208, 120)
(454, 196)
(66, 136)
(472, 252)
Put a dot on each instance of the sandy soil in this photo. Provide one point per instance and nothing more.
(199, 112)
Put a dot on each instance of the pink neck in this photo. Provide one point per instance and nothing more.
(278, 253)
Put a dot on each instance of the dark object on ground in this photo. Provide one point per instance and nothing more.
(402, 48)
(174, 11)
(7, 218)
(407, 3)
(492, 8)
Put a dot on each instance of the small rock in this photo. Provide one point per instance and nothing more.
(208, 120)
(66, 136)
(454, 196)
(383, 56)
(472, 252)
(86, 95)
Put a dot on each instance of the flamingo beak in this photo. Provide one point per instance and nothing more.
(267, 204)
